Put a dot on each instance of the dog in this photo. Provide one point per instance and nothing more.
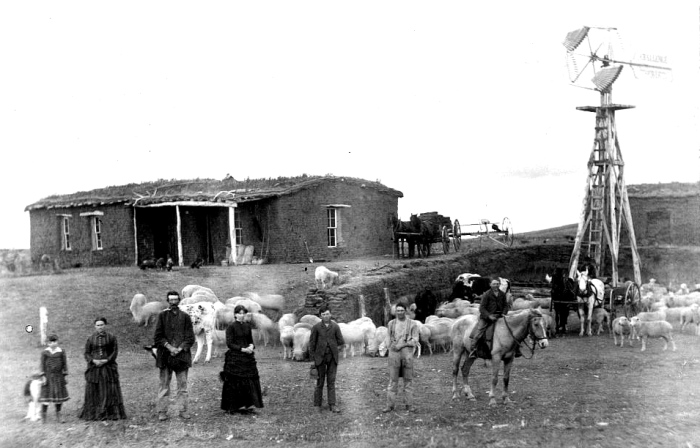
(32, 393)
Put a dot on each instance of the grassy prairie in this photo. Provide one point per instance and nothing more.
(579, 392)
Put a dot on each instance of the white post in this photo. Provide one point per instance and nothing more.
(136, 241)
(179, 237)
(232, 234)
(43, 323)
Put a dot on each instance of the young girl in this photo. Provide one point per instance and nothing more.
(55, 368)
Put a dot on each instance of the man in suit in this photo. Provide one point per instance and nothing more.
(323, 348)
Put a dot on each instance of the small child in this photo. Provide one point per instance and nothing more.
(54, 368)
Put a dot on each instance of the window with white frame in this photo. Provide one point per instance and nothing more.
(96, 233)
(65, 232)
(332, 215)
(238, 226)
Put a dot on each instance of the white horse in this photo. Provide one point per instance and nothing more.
(589, 294)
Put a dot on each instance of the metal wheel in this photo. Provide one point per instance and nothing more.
(445, 236)
(508, 236)
(632, 300)
(457, 235)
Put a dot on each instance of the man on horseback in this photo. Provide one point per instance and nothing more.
(493, 305)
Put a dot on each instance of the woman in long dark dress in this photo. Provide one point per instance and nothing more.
(103, 394)
(241, 392)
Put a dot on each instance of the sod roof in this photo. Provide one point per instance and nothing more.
(664, 190)
(228, 190)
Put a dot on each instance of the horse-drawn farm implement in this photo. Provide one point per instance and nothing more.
(486, 230)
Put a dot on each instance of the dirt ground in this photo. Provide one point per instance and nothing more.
(579, 392)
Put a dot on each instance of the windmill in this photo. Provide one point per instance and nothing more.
(591, 52)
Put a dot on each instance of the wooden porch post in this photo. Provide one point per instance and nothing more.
(180, 261)
(232, 235)
(136, 242)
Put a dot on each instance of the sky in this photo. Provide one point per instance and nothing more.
(466, 108)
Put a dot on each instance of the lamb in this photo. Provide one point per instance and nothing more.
(302, 334)
(655, 329)
(272, 302)
(621, 327)
(601, 318)
(325, 276)
(424, 339)
(145, 313)
(684, 290)
(287, 340)
(649, 316)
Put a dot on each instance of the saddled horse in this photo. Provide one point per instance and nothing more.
(589, 294)
(563, 297)
(509, 332)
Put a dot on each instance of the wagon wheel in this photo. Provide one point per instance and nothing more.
(457, 235)
(508, 236)
(445, 239)
(632, 300)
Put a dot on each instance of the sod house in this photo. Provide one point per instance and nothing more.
(279, 220)
(666, 213)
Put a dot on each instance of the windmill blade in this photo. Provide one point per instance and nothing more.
(574, 38)
(605, 77)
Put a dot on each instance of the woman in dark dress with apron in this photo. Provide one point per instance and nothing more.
(241, 392)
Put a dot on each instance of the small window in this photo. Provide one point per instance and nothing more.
(65, 226)
(238, 226)
(332, 227)
(96, 233)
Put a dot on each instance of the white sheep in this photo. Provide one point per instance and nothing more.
(288, 319)
(440, 332)
(655, 329)
(302, 335)
(377, 345)
(684, 290)
(455, 309)
(310, 319)
(287, 340)
(188, 290)
(200, 295)
(621, 327)
(601, 318)
(251, 305)
(145, 313)
(325, 276)
(272, 302)
(689, 315)
(356, 334)
(263, 327)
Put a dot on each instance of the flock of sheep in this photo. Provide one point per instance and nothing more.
(211, 316)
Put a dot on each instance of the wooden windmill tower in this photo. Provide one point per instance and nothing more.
(606, 206)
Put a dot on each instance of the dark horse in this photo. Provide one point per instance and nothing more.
(427, 231)
(405, 227)
(563, 297)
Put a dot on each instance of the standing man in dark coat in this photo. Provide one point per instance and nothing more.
(323, 348)
(494, 305)
(174, 336)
